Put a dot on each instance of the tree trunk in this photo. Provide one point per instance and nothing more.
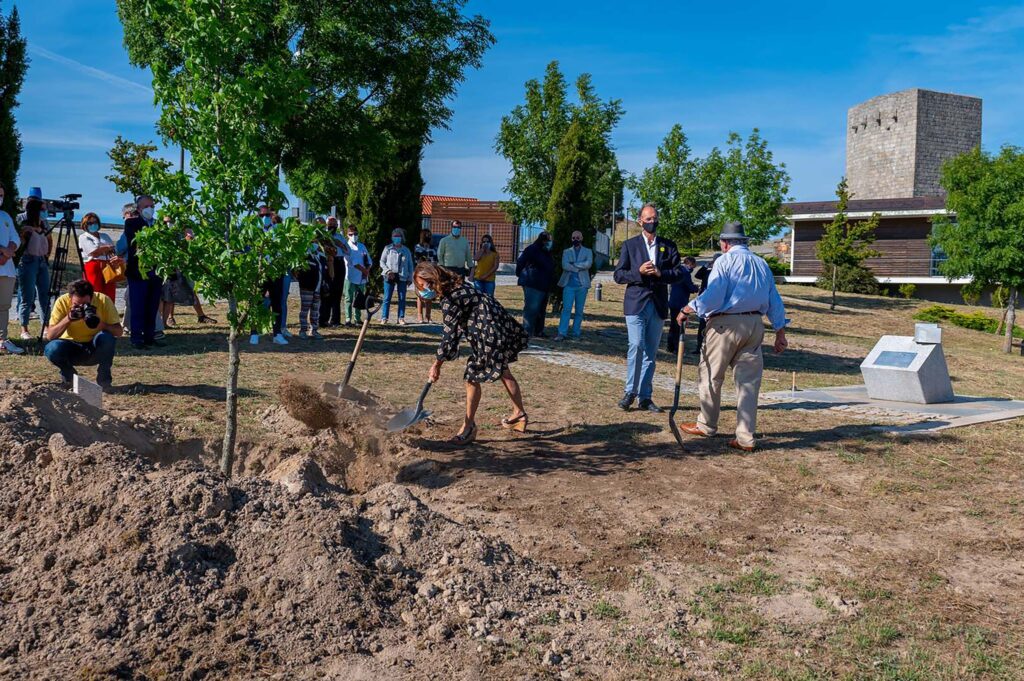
(835, 272)
(231, 398)
(1011, 318)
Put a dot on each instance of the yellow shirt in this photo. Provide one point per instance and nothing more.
(77, 330)
(484, 265)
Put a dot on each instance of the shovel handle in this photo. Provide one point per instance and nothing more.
(423, 395)
(355, 352)
(679, 360)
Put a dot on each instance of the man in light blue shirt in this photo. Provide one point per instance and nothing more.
(740, 290)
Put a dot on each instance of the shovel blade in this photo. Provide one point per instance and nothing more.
(406, 418)
(675, 430)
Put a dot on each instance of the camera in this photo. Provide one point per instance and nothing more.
(87, 313)
(68, 202)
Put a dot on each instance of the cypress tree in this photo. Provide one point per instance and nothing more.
(569, 208)
(13, 65)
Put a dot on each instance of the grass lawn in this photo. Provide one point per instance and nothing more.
(834, 552)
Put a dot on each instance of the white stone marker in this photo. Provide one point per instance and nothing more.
(88, 391)
(909, 369)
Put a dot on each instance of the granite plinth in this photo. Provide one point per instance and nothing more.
(899, 369)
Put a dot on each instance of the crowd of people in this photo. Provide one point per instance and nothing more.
(732, 294)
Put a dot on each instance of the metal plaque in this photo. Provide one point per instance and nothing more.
(897, 360)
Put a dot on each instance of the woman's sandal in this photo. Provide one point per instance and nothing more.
(171, 323)
(464, 438)
(517, 424)
(206, 319)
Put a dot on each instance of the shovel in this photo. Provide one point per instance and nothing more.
(675, 399)
(345, 391)
(410, 415)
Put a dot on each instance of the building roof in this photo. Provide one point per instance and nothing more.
(427, 201)
(916, 205)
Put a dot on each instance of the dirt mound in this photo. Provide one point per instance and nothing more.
(113, 566)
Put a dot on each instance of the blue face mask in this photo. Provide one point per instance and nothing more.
(93, 227)
(456, 231)
(427, 293)
(396, 240)
(548, 245)
(266, 221)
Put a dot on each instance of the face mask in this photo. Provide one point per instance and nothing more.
(266, 221)
(456, 231)
(547, 245)
(427, 293)
(396, 240)
(577, 242)
(651, 227)
(93, 227)
(147, 213)
(486, 245)
(353, 238)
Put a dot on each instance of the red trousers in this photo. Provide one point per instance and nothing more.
(94, 275)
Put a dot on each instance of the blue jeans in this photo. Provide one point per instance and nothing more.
(644, 331)
(67, 354)
(390, 288)
(572, 296)
(33, 280)
(144, 301)
(533, 310)
(484, 287)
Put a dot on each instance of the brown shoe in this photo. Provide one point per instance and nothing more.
(735, 444)
(692, 429)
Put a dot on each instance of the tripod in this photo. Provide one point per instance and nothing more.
(67, 238)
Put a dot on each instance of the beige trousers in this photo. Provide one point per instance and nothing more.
(6, 293)
(731, 341)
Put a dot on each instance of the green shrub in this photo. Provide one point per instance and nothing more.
(780, 268)
(689, 252)
(976, 321)
(970, 296)
(908, 290)
(851, 279)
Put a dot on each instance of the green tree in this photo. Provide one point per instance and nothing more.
(377, 77)
(569, 208)
(126, 161)
(752, 187)
(531, 135)
(846, 244)
(13, 65)
(683, 187)
(236, 62)
(982, 235)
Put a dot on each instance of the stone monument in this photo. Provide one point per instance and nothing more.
(909, 369)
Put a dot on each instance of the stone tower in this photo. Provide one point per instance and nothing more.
(896, 143)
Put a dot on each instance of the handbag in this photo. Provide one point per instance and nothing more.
(113, 274)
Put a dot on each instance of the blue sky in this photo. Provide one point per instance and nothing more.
(791, 69)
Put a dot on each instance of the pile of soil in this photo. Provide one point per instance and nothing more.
(124, 555)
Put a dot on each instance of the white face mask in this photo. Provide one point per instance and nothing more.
(353, 238)
(147, 213)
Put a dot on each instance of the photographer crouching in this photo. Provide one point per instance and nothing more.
(83, 327)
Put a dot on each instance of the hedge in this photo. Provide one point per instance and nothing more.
(977, 321)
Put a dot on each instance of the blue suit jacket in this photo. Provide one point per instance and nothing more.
(641, 288)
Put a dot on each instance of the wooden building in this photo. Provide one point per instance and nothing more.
(477, 218)
(901, 239)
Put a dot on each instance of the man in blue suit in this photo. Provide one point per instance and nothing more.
(647, 265)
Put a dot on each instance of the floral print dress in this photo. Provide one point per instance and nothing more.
(495, 337)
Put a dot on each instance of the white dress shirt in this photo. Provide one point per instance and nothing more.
(652, 248)
(741, 282)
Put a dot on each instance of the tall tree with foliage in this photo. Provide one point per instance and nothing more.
(846, 244)
(379, 205)
(13, 65)
(530, 138)
(983, 233)
(223, 103)
(378, 76)
(683, 187)
(126, 161)
(752, 187)
(569, 208)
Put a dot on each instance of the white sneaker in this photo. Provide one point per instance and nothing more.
(25, 335)
(401, 321)
(254, 339)
(286, 333)
(383, 320)
(12, 348)
(280, 340)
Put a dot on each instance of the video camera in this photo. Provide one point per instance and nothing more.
(68, 202)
